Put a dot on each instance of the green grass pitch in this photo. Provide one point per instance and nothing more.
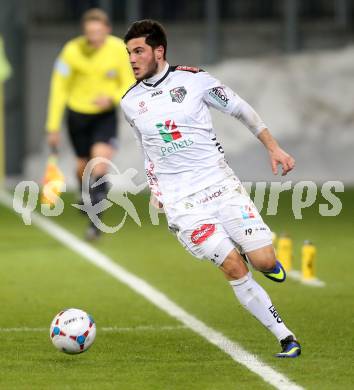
(148, 350)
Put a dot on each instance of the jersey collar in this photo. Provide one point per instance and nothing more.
(157, 79)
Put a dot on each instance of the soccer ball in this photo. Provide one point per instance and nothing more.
(72, 331)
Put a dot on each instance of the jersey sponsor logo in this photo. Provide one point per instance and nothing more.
(152, 180)
(188, 68)
(178, 94)
(176, 147)
(247, 212)
(212, 196)
(219, 94)
(168, 131)
(156, 93)
(201, 234)
(170, 134)
(142, 108)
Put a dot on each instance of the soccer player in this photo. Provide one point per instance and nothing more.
(90, 76)
(205, 204)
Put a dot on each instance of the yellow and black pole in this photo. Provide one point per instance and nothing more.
(5, 73)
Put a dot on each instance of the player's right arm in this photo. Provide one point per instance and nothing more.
(58, 94)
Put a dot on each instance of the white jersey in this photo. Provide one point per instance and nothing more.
(171, 118)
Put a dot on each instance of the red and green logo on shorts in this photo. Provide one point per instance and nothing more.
(168, 131)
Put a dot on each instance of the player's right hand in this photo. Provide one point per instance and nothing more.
(53, 139)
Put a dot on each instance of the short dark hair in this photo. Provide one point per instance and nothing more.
(154, 33)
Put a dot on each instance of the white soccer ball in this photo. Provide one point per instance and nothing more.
(72, 331)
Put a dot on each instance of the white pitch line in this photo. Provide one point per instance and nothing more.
(146, 328)
(24, 329)
(140, 286)
(108, 329)
(296, 275)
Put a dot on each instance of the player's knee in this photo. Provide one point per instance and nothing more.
(81, 165)
(268, 262)
(233, 266)
(263, 259)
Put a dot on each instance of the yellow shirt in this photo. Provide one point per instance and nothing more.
(82, 73)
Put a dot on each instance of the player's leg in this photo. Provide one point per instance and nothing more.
(255, 299)
(104, 151)
(102, 145)
(81, 163)
(208, 240)
(233, 267)
(245, 226)
(264, 260)
(78, 126)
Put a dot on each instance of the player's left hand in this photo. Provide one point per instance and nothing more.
(103, 102)
(279, 157)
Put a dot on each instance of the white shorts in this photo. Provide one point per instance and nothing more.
(212, 222)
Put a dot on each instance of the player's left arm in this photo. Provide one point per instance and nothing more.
(276, 154)
(226, 100)
(249, 117)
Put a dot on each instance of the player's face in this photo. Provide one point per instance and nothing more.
(96, 32)
(143, 58)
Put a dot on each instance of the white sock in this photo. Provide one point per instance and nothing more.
(254, 298)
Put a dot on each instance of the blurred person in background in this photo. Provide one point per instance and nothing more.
(90, 76)
(206, 205)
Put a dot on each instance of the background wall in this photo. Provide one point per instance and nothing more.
(306, 100)
(292, 60)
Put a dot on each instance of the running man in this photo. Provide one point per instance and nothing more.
(205, 204)
(90, 76)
